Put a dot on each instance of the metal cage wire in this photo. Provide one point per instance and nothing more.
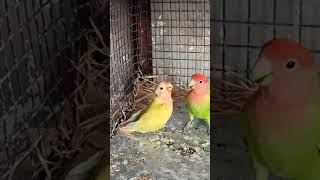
(180, 38)
(170, 37)
(39, 41)
(122, 64)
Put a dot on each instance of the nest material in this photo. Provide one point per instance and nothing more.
(51, 152)
(144, 87)
(228, 96)
(231, 93)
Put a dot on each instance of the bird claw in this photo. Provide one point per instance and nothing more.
(189, 125)
(164, 129)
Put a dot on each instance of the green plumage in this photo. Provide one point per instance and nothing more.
(297, 157)
(199, 107)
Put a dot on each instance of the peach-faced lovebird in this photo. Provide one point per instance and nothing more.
(156, 115)
(281, 122)
(198, 99)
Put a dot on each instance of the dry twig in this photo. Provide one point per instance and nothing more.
(230, 95)
(44, 165)
(8, 175)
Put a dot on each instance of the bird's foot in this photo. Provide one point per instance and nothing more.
(164, 129)
(189, 125)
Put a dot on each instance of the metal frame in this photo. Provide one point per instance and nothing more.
(186, 29)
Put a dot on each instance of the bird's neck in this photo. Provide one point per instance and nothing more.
(199, 92)
(283, 109)
(164, 99)
(198, 96)
(295, 93)
(283, 97)
(280, 118)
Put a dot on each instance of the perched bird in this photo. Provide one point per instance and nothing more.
(156, 115)
(281, 121)
(198, 99)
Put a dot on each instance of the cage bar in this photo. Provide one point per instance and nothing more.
(170, 37)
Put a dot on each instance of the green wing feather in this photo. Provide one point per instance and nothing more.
(199, 111)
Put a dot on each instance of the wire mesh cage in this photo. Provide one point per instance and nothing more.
(241, 28)
(156, 37)
(180, 38)
(152, 41)
(41, 44)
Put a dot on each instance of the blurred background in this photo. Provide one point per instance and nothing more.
(53, 76)
(240, 29)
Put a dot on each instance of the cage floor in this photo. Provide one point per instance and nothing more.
(231, 156)
(170, 154)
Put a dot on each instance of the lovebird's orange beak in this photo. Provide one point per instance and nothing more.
(191, 84)
(262, 72)
(169, 87)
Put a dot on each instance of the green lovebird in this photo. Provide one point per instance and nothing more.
(281, 121)
(198, 99)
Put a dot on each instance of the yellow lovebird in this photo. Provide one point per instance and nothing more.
(156, 115)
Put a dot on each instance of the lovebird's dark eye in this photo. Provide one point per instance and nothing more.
(161, 88)
(290, 64)
(200, 82)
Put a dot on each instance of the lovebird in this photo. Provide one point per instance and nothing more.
(281, 121)
(156, 115)
(198, 99)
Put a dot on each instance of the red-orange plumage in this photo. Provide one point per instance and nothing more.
(200, 77)
(284, 49)
(198, 98)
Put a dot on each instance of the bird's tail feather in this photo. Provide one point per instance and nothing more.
(127, 126)
(127, 129)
